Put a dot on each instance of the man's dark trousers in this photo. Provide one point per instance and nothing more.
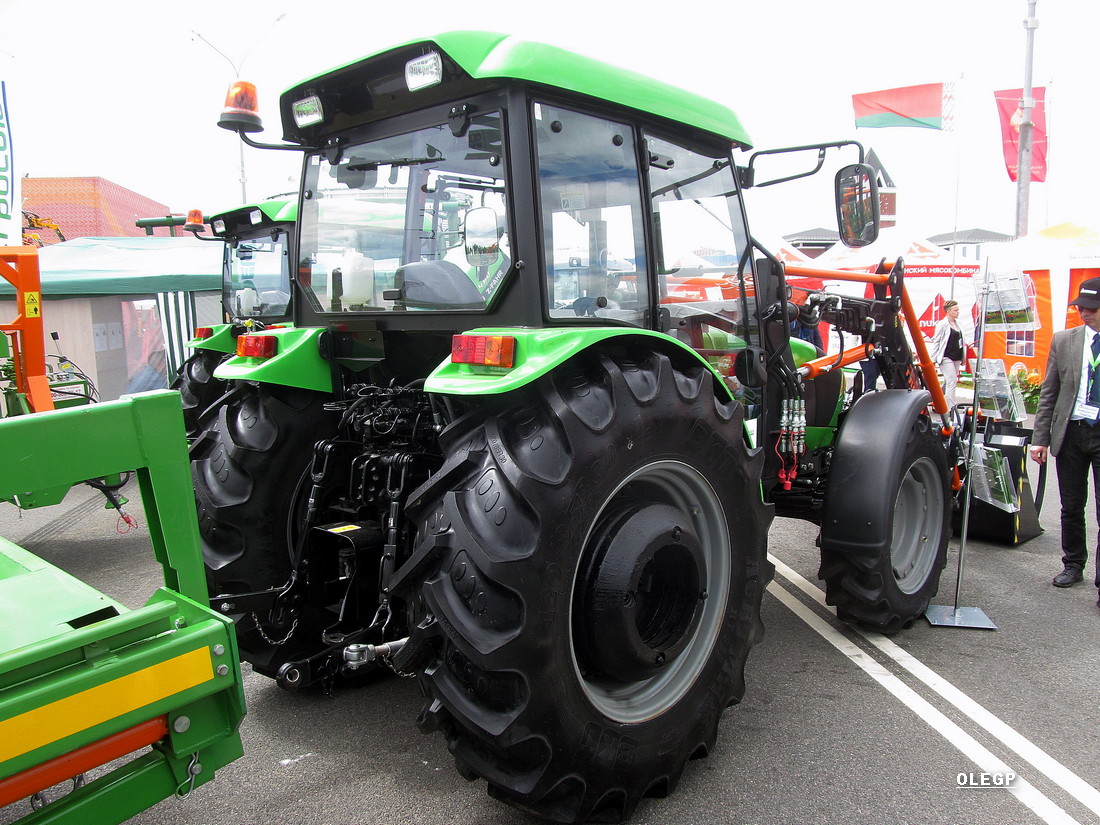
(1079, 452)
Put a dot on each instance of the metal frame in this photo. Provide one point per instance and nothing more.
(84, 680)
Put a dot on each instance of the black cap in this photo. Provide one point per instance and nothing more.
(1089, 294)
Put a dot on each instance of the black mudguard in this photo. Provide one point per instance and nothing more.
(857, 516)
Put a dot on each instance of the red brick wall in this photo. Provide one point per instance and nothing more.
(88, 207)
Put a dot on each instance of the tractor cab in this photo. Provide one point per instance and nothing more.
(477, 180)
(256, 261)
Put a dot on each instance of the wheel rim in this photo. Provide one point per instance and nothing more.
(683, 636)
(918, 522)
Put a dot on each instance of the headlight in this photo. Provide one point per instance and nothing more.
(308, 111)
(424, 71)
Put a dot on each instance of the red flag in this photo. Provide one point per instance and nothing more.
(920, 106)
(1010, 110)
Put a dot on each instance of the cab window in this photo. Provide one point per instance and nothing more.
(591, 218)
(705, 295)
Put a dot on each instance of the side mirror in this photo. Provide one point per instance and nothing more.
(482, 237)
(857, 207)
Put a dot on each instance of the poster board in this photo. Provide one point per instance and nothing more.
(1007, 307)
(996, 395)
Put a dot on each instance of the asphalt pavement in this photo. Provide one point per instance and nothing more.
(837, 726)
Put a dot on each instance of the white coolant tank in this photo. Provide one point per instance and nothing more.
(358, 279)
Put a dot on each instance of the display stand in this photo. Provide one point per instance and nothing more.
(1000, 309)
(998, 524)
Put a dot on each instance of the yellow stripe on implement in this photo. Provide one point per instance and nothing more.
(24, 733)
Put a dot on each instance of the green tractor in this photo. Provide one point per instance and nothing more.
(538, 408)
(255, 293)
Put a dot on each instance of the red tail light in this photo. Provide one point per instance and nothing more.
(204, 332)
(484, 350)
(257, 346)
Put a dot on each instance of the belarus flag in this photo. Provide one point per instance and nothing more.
(921, 106)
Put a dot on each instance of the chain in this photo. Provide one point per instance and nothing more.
(39, 800)
(268, 639)
(388, 662)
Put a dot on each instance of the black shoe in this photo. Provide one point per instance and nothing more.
(1071, 575)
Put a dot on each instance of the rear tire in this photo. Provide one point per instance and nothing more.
(888, 591)
(600, 556)
(247, 468)
(198, 387)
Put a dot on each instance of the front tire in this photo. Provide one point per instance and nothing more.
(889, 589)
(600, 551)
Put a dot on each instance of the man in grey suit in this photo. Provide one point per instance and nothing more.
(1066, 426)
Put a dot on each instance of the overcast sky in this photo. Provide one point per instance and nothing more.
(126, 91)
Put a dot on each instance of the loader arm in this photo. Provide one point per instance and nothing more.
(83, 679)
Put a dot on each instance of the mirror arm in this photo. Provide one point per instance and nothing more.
(749, 174)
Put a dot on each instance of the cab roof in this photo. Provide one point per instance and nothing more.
(490, 55)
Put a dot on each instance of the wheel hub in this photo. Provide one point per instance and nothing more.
(641, 592)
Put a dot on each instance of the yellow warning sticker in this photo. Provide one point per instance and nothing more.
(342, 528)
(32, 304)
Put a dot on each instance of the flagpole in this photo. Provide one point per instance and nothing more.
(1023, 166)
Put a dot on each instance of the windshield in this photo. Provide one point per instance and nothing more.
(257, 277)
(385, 226)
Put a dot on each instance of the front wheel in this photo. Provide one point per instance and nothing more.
(887, 585)
(600, 551)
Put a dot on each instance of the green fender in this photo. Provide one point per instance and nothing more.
(297, 362)
(538, 351)
(221, 341)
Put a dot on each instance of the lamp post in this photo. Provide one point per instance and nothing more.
(1023, 164)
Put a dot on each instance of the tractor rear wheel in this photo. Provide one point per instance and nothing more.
(888, 590)
(248, 467)
(198, 387)
(250, 472)
(599, 548)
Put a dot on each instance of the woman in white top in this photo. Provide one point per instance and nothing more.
(948, 349)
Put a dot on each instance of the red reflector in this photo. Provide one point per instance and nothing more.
(257, 346)
(204, 332)
(484, 350)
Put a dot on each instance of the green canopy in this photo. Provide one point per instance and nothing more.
(127, 266)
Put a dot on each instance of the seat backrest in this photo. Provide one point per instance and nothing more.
(436, 285)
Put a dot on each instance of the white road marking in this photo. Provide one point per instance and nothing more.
(988, 762)
(1027, 750)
